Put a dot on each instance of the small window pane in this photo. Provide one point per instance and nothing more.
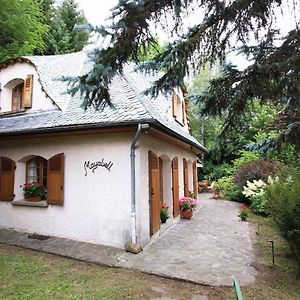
(32, 170)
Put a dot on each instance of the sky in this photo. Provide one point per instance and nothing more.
(97, 12)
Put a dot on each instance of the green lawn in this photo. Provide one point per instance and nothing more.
(281, 281)
(27, 274)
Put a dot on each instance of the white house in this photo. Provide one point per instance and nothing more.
(106, 172)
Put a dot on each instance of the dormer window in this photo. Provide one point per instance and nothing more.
(16, 95)
(179, 109)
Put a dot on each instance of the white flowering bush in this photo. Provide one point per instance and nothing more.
(255, 191)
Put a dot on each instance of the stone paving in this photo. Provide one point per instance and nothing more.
(212, 248)
(98, 254)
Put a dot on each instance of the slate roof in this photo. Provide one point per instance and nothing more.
(126, 91)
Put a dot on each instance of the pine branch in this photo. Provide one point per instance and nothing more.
(207, 41)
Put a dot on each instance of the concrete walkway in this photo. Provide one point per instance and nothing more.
(211, 248)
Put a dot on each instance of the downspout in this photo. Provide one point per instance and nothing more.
(133, 187)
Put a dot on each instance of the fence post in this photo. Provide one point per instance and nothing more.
(238, 291)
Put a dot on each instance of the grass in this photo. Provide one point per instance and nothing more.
(280, 281)
(27, 274)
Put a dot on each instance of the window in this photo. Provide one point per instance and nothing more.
(178, 109)
(21, 93)
(47, 172)
(50, 173)
(36, 170)
(17, 97)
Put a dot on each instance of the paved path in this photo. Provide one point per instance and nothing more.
(211, 248)
(98, 254)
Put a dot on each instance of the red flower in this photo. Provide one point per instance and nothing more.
(244, 206)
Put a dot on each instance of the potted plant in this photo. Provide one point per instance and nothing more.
(164, 214)
(243, 212)
(187, 205)
(33, 191)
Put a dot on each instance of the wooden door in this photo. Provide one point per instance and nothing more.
(175, 187)
(185, 178)
(195, 180)
(7, 177)
(154, 192)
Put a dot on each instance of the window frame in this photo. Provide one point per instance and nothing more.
(41, 162)
(178, 106)
(17, 105)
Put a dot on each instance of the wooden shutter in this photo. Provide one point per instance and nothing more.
(185, 178)
(154, 192)
(174, 105)
(55, 179)
(195, 179)
(175, 187)
(27, 94)
(7, 178)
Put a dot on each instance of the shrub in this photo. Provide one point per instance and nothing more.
(259, 204)
(222, 170)
(255, 191)
(245, 157)
(228, 189)
(284, 203)
(255, 170)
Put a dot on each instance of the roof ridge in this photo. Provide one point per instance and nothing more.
(140, 97)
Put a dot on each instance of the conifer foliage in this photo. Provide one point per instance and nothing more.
(273, 74)
(63, 20)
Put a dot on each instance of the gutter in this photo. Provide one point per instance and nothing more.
(77, 127)
(133, 185)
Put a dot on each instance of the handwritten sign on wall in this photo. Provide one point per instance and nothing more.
(92, 166)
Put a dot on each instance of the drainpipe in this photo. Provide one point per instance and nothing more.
(133, 188)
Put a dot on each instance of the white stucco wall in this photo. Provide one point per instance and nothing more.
(20, 71)
(167, 180)
(160, 148)
(190, 175)
(96, 207)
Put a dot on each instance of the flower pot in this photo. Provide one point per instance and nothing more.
(34, 198)
(216, 195)
(186, 214)
(163, 220)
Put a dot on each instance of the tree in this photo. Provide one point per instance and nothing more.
(21, 28)
(63, 36)
(273, 75)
